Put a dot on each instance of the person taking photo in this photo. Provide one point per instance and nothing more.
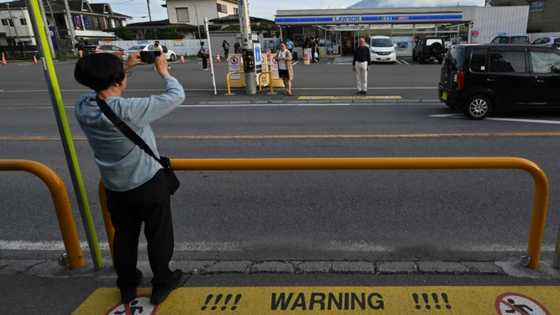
(138, 192)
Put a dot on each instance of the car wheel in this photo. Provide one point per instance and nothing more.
(478, 107)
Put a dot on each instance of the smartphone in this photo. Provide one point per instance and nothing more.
(149, 56)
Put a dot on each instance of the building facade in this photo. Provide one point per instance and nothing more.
(193, 12)
(338, 29)
(544, 15)
(91, 22)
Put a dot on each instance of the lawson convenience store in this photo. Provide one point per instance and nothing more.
(339, 29)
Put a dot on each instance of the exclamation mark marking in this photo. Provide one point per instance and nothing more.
(416, 300)
(218, 298)
(228, 298)
(208, 298)
(446, 300)
(436, 300)
(236, 302)
(426, 299)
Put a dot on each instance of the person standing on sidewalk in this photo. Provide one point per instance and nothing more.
(138, 190)
(225, 46)
(360, 65)
(285, 67)
(204, 54)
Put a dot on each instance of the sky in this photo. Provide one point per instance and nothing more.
(265, 8)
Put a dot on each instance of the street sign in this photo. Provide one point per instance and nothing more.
(258, 54)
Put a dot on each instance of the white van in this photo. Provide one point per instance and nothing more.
(382, 49)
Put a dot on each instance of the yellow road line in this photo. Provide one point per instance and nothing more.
(332, 98)
(316, 136)
(394, 300)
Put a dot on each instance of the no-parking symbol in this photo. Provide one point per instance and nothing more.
(518, 304)
(140, 306)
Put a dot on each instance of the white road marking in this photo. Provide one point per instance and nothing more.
(531, 121)
(333, 245)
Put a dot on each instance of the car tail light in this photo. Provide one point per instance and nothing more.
(459, 78)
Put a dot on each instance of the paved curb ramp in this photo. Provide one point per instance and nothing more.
(465, 300)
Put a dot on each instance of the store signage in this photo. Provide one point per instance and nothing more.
(370, 19)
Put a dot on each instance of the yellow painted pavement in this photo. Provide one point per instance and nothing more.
(466, 300)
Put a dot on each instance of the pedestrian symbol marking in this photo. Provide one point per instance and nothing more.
(431, 301)
(335, 300)
(221, 302)
(140, 306)
(518, 304)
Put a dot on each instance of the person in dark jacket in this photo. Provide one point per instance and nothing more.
(360, 65)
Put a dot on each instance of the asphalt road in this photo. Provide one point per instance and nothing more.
(305, 215)
(408, 81)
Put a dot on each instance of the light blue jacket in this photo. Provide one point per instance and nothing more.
(122, 164)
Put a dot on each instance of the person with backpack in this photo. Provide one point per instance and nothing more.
(139, 181)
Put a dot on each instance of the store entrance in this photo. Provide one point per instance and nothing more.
(347, 44)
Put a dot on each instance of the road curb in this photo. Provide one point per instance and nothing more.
(513, 268)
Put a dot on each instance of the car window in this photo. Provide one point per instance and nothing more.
(501, 40)
(557, 41)
(136, 48)
(507, 61)
(478, 60)
(543, 62)
(381, 42)
(541, 41)
(151, 47)
(105, 47)
(456, 57)
(520, 40)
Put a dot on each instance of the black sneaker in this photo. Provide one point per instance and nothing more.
(160, 293)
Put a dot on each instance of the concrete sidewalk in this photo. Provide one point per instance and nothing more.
(44, 286)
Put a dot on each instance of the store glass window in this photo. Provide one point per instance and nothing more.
(507, 61)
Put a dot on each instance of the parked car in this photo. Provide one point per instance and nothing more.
(169, 54)
(481, 79)
(382, 49)
(428, 49)
(547, 41)
(112, 49)
(507, 39)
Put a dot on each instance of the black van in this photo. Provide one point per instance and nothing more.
(480, 79)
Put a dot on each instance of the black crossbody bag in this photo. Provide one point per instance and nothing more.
(170, 178)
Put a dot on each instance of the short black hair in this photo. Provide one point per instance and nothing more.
(99, 71)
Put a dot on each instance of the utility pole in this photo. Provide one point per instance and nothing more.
(70, 25)
(149, 11)
(247, 48)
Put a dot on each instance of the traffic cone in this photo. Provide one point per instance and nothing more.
(182, 59)
(35, 61)
(4, 61)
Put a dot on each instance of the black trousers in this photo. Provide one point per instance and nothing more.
(149, 204)
(204, 63)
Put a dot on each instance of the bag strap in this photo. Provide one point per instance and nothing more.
(126, 130)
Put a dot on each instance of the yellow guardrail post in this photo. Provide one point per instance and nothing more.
(59, 195)
(55, 92)
(228, 83)
(540, 201)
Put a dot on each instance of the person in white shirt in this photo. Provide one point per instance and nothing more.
(285, 67)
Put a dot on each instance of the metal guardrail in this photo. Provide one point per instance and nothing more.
(540, 201)
(61, 201)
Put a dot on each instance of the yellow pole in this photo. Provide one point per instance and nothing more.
(59, 195)
(65, 132)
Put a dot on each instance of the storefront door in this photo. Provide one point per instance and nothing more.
(347, 43)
